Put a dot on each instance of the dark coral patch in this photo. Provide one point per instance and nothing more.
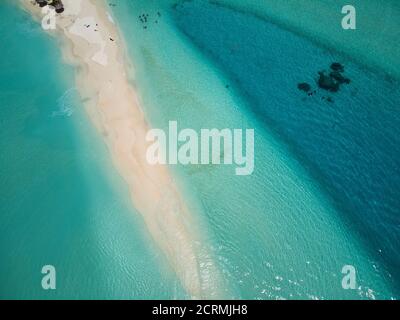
(330, 80)
(339, 77)
(326, 82)
(304, 87)
(336, 66)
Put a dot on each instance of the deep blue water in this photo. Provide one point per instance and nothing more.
(351, 146)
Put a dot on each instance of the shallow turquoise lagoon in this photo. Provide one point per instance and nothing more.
(287, 230)
(324, 192)
(62, 203)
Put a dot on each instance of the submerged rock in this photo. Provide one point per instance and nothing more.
(329, 99)
(304, 87)
(327, 82)
(336, 66)
(339, 77)
(330, 80)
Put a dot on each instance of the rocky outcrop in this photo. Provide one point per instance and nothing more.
(56, 4)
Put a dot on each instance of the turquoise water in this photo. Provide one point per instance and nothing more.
(351, 147)
(55, 207)
(278, 233)
(373, 44)
(312, 205)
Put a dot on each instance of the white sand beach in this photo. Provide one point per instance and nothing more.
(93, 43)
